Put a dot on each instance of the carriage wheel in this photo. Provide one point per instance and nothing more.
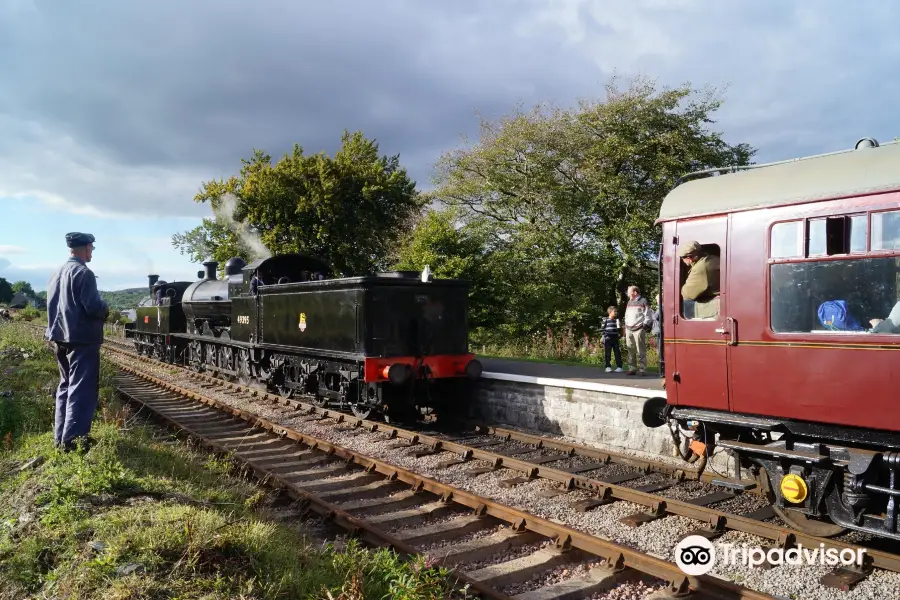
(808, 525)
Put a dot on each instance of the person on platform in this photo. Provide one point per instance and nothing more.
(702, 283)
(75, 316)
(612, 331)
(637, 316)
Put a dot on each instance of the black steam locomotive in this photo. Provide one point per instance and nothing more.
(394, 344)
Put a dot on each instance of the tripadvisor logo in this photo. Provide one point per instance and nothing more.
(696, 555)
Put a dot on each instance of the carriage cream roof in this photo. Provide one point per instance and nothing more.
(850, 173)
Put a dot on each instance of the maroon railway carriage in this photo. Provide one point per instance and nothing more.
(809, 406)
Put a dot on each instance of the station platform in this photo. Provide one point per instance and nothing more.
(571, 376)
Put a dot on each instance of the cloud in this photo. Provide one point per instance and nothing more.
(7, 249)
(124, 108)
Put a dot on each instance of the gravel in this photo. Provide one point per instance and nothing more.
(656, 537)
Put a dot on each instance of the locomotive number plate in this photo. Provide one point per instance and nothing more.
(243, 319)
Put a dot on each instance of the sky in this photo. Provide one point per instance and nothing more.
(113, 113)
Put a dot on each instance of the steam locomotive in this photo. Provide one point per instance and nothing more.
(393, 344)
(792, 370)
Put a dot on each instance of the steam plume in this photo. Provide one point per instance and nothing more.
(224, 211)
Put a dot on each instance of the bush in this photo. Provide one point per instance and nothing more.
(562, 346)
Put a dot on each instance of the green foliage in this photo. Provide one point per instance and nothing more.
(124, 299)
(23, 287)
(6, 291)
(562, 347)
(140, 517)
(565, 201)
(349, 210)
(450, 252)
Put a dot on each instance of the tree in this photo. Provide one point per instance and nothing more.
(568, 198)
(6, 291)
(349, 210)
(451, 252)
(23, 287)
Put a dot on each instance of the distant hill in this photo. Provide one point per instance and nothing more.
(124, 299)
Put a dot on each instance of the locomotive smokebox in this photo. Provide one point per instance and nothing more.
(210, 267)
(153, 279)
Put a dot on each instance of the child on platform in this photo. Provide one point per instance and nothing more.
(612, 330)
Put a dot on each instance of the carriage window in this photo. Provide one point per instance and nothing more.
(836, 235)
(786, 240)
(705, 288)
(859, 233)
(886, 230)
(860, 295)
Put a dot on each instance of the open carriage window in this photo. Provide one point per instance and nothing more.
(699, 292)
(829, 236)
(857, 295)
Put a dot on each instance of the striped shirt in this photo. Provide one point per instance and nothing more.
(612, 327)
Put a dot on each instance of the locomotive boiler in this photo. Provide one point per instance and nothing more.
(393, 344)
(791, 365)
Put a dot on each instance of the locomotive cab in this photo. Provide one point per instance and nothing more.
(282, 270)
(155, 322)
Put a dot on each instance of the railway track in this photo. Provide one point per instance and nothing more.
(577, 479)
(498, 550)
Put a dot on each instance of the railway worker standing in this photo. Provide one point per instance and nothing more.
(75, 316)
(637, 316)
(702, 284)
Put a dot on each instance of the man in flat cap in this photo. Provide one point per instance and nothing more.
(702, 284)
(75, 316)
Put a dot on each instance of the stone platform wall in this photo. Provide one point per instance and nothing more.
(608, 416)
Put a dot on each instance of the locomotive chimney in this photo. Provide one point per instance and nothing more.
(153, 279)
(210, 267)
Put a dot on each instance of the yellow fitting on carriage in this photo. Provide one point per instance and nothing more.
(793, 488)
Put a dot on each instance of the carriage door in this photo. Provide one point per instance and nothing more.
(701, 333)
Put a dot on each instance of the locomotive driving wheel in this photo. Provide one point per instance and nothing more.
(363, 411)
(196, 356)
(243, 367)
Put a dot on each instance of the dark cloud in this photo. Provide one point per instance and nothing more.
(130, 105)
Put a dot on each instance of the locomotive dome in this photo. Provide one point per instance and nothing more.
(235, 265)
(869, 168)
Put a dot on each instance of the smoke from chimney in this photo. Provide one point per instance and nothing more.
(227, 203)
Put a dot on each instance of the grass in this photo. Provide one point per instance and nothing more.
(144, 516)
(558, 347)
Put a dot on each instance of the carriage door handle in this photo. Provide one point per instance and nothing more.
(732, 331)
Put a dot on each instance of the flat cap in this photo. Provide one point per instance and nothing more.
(76, 239)
(689, 248)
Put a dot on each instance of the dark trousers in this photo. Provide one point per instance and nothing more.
(76, 396)
(611, 344)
